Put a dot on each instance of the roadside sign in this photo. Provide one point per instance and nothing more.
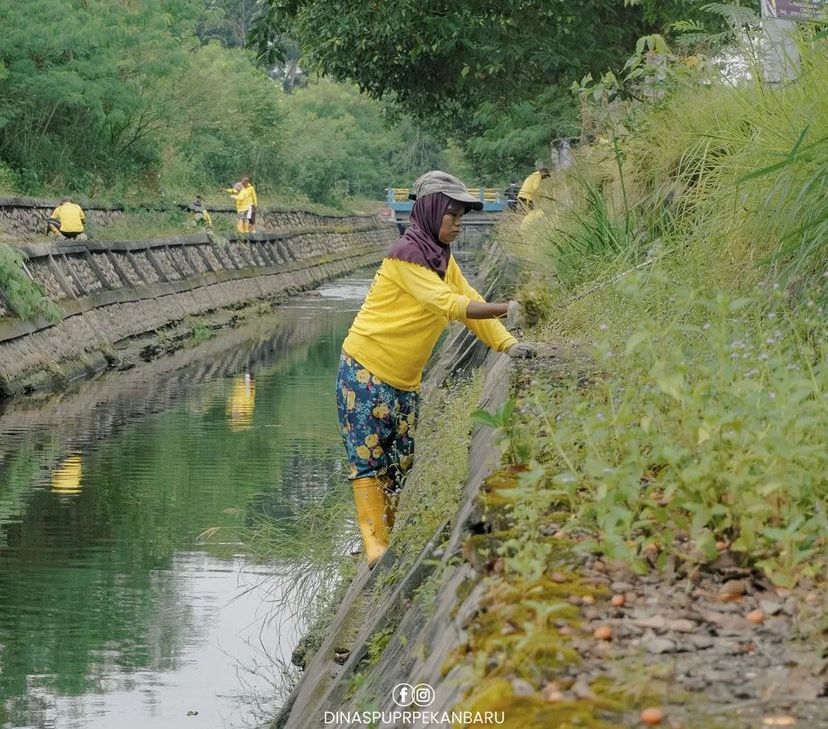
(797, 9)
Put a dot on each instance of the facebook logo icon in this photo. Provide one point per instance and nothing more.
(403, 694)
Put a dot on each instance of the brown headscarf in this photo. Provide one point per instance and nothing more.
(420, 243)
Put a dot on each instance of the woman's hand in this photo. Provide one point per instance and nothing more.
(523, 350)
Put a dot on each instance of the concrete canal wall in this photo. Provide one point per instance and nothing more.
(112, 291)
(24, 218)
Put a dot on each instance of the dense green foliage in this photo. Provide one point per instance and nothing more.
(120, 99)
(341, 146)
(494, 74)
(19, 293)
(688, 247)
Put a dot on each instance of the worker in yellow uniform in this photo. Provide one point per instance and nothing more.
(66, 220)
(530, 191)
(417, 291)
(201, 214)
(247, 203)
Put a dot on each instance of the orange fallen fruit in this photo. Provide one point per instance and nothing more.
(652, 716)
(604, 632)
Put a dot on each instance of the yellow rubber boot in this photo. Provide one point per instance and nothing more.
(372, 506)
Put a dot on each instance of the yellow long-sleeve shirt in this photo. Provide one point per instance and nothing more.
(530, 190)
(235, 195)
(70, 216)
(246, 198)
(407, 308)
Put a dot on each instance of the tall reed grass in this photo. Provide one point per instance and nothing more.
(708, 318)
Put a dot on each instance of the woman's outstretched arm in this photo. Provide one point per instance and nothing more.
(482, 310)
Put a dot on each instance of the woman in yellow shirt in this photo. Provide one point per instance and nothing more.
(417, 290)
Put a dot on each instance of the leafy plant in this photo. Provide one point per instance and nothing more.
(25, 297)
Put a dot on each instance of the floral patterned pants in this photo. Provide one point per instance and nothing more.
(377, 423)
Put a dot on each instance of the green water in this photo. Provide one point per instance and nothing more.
(116, 610)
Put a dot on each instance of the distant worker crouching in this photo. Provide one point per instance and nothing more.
(530, 192)
(66, 220)
(200, 213)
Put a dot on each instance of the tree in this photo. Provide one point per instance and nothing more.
(457, 66)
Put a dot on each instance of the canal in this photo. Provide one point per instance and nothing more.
(128, 595)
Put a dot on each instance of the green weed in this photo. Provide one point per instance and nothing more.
(704, 422)
(25, 297)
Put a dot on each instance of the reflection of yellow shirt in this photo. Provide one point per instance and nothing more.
(70, 216)
(407, 309)
(241, 403)
(67, 478)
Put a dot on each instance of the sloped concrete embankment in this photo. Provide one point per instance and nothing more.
(111, 291)
(428, 631)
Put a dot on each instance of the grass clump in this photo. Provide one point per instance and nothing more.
(25, 297)
(433, 490)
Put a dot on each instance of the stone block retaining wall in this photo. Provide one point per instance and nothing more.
(23, 218)
(111, 291)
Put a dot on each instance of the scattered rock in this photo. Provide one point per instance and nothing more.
(657, 646)
(603, 649)
(695, 683)
(618, 600)
(700, 642)
(581, 688)
(521, 687)
(552, 693)
(682, 626)
(755, 617)
(778, 721)
(656, 622)
(733, 588)
(728, 648)
(340, 656)
(559, 578)
(771, 607)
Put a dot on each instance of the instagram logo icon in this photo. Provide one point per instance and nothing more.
(421, 695)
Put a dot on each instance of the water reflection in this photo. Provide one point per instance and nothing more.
(242, 402)
(112, 611)
(66, 478)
